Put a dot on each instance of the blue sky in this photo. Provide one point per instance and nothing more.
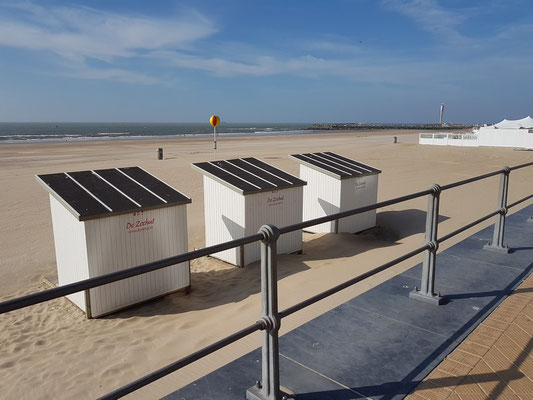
(266, 61)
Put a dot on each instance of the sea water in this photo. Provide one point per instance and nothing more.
(19, 132)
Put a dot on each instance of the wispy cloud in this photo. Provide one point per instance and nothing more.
(79, 33)
(114, 74)
(389, 71)
(433, 18)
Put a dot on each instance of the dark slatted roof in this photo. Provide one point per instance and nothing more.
(248, 175)
(106, 192)
(335, 165)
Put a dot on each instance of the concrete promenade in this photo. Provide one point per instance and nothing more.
(383, 345)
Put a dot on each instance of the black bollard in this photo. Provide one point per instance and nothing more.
(160, 153)
(395, 139)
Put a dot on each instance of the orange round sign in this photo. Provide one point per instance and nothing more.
(214, 120)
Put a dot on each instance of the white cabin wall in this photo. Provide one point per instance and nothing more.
(70, 248)
(280, 208)
(224, 218)
(321, 197)
(119, 242)
(358, 192)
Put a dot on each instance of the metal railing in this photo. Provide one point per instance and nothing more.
(270, 319)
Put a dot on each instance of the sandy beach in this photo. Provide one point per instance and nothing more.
(52, 351)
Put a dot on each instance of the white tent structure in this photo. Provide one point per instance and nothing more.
(508, 133)
(524, 123)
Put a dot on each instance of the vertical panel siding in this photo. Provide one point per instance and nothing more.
(224, 217)
(321, 197)
(279, 207)
(358, 192)
(119, 242)
(70, 247)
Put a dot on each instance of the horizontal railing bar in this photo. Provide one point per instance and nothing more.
(521, 166)
(343, 214)
(520, 201)
(468, 226)
(183, 362)
(353, 281)
(50, 294)
(470, 180)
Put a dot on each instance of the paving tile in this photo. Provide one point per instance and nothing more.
(509, 371)
(471, 396)
(488, 380)
(463, 357)
(496, 360)
(520, 337)
(525, 323)
(434, 394)
(427, 390)
(454, 368)
(468, 386)
(231, 382)
(526, 365)
(391, 299)
(528, 311)
(505, 313)
(473, 348)
(494, 323)
(506, 396)
(458, 277)
(517, 300)
(472, 248)
(440, 378)
(509, 348)
(489, 332)
(454, 396)
(377, 366)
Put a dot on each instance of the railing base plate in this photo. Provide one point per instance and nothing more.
(255, 393)
(434, 299)
(497, 249)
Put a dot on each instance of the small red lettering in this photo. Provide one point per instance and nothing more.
(139, 224)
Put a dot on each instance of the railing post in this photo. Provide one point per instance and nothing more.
(426, 292)
(499, 225)
(268, 387)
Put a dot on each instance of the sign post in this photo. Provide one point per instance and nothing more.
(214, 121)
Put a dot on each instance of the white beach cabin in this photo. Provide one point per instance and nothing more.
(335, 184)
(112, 219)
(241, 195)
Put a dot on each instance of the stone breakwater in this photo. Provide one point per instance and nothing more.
(359, 126)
